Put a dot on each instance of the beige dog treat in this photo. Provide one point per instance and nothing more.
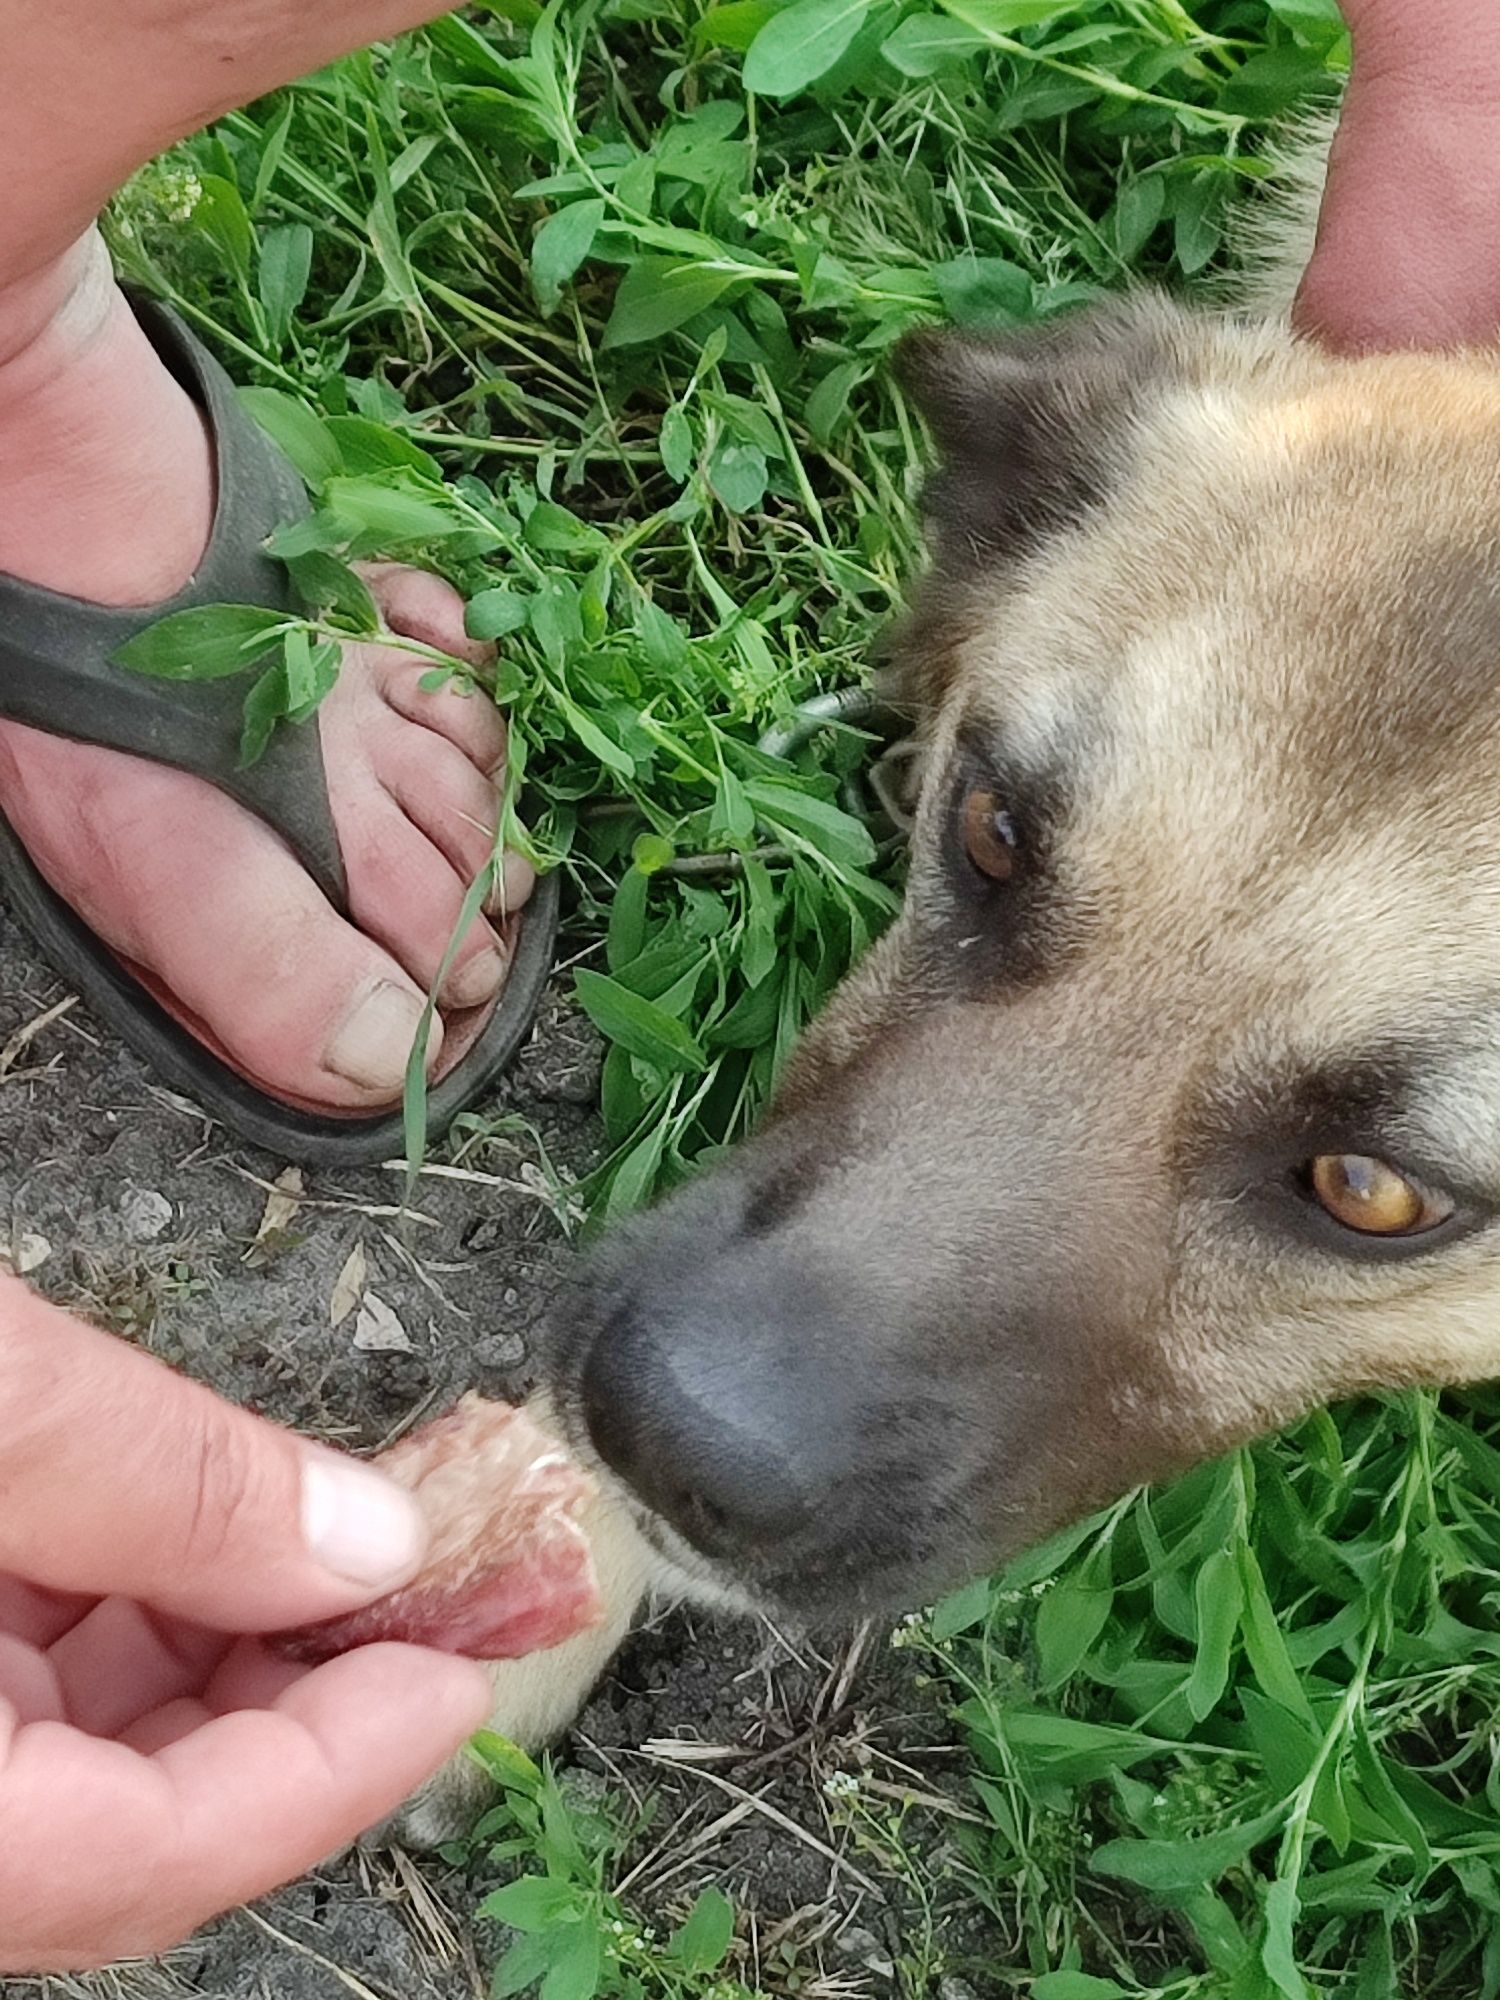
(509, 1570)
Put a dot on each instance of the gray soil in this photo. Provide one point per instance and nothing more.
(825, 1799)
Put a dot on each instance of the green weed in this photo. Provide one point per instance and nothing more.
(575, 1938)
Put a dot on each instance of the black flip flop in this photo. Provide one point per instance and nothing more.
(56, 674)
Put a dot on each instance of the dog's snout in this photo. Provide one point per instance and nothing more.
(704, 1406)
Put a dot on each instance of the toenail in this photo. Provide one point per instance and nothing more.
(513, 884)
(372, 1043)
(470, 985)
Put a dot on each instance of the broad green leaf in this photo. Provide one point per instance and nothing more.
(593, 737)
(699, 1945)
(311, 673)
(1067, 1751)
(367, 446)
(1266, 84)
(494, 614)
(1168, 1866)
(927, 43)
(1072, 1616)
(800, 44)
(656, 296)
(1136, 213)
(296, 430)
(533, 1903)
(285, 267)
(636, 1024)
(651, 853)
(1197, 229)
(1318, 21)
(265, 705)
(977, 289)
(557, 531)
(1219, 1598)
(737, 474)
(733, 815)
(560, 246)
(627, 919)
(326, 584)
(663, 640)
(1278, 1953)
(1076, 1986)
(1005, 17)
(827, 404)
(522, 1966)
(388, 510)
(961, 1611)
(676, 444)
(634, 1179)
(506, 1762)
(1265, 1647)
(556, 619)
(844, 840)
(221, 214)
(209, 642)
(736, 24)
(575, 1969)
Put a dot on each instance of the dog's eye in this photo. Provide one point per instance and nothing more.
(1374, 1197)
(989, 834)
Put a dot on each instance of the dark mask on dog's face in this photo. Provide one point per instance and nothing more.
(1171, 1106)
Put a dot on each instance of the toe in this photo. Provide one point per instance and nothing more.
(441, 792)
(419, 606)
(406, 894)
(424, 607)
(465, 716)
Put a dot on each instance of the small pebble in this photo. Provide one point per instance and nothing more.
(145, 1214)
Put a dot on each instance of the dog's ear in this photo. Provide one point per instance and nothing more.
(1032, 429)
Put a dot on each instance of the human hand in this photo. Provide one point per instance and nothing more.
(1408, 251)
(155, 1768)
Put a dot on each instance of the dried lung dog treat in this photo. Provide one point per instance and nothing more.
(508, 1572)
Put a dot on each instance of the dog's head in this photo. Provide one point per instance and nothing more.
(1171, 1105)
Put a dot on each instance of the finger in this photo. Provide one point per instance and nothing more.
(121, 1662)
(250, 1676)
(106, 1854)
(40, 1617)
(121, 1477)
(28, 1682)
(165, 1725)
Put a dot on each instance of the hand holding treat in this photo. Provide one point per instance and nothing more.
(155, 1768)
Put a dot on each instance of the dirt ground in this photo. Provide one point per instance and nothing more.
(822, 1795)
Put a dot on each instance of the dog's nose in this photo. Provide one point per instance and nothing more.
(730, 1429)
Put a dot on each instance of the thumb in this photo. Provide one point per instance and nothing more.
(119, 1477)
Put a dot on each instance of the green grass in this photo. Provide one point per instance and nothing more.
(591, 309)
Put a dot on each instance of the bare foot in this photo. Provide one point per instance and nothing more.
(107, 493)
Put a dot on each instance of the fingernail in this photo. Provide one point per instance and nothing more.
(357, 1524)
(477, 981)
(372, 1043)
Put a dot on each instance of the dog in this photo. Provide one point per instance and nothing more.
(1170, 1107)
